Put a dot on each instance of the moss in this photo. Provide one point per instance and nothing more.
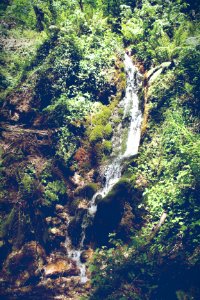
(107, 130)
(122, 82)
(121, 112)
(107, 147)
(96, 134)
(116, 120)
(102, 117)
(99, 132)
(120, 190)
(88, 190)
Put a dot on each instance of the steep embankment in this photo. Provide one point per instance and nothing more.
(54, 133)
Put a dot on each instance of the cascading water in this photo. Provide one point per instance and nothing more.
(132, 116)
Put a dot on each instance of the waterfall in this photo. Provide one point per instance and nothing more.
(131, 116)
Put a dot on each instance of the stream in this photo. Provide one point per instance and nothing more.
(131, 120)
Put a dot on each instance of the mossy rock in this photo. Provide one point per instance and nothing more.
(110, 211)
(88, 190)
(120, 190)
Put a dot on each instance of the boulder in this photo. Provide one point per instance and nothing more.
(60, 267)
(87, 191)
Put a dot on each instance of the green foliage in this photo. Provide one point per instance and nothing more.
(66, 145)
(22, 11)
(53, 191)
(158, 31)
(26, 180)
(18, 50)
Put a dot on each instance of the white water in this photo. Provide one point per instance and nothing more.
(130, 104)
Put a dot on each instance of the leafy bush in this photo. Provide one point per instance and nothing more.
(53, 191)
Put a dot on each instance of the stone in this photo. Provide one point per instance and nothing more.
(59, 208)
(63, 215)
(56, 221)
(60, 267)
(90, 175)
(86, 255)
(56, 231)
(48, 220)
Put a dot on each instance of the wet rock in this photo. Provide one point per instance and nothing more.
(48, 220)
(86, 255)
(60, 267)
(98, 198)
(74, 228)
